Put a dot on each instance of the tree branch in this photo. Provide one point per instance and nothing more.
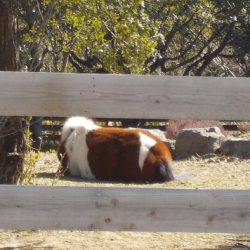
(208, 58)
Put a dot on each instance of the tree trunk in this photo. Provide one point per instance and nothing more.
(12, 129)
(8, 49)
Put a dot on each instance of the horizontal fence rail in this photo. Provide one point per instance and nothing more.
(126, 96)
(124, 209)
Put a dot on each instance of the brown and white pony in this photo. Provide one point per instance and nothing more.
(92, 152)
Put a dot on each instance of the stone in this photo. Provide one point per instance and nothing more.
(237, 147)
(171, 146)
(198, 141)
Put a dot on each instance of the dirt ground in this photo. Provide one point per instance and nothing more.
(213, 173)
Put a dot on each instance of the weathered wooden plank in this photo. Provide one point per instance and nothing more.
(126, 96)
(133, 209)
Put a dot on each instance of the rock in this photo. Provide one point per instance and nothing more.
(237, 147)
(214, 130)
(199, 141)
(171, 146)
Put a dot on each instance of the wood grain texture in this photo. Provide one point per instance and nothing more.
(126, 96)
(129, 209)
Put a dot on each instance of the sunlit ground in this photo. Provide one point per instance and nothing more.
(215, 173)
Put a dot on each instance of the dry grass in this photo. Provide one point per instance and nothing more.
(120, 240)
(218, 172)
(213, 173)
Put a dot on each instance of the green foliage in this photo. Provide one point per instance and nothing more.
(31, 158)
(137, 36)
(117, 33)
(29, 171)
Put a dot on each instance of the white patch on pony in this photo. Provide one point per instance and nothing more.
(75, 131)
(70, 149)
(146, 143)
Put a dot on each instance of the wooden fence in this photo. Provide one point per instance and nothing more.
(135, 209)
(52, 126)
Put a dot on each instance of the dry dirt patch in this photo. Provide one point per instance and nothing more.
(215, 173)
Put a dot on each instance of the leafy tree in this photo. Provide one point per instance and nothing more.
(110, 35)
(192, 34)
(95, 36)
(183, 37)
